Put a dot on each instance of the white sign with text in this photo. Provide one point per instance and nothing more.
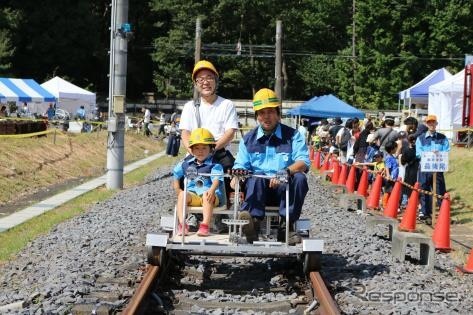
(434, 162)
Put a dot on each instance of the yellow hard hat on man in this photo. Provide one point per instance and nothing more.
(201, 65)
(201, 136)
(265, 98)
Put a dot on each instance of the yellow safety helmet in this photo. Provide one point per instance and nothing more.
(201, 136)
(203, 64)
(265, 98)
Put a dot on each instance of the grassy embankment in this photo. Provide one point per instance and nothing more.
(459, 181)
(27, 165)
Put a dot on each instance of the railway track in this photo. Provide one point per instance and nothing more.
(202, 285)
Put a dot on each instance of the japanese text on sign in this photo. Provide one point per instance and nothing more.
(434, 162)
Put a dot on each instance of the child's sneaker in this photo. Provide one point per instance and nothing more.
(179, 230)
(203, 230)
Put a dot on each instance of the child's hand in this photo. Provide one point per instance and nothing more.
(274, 183)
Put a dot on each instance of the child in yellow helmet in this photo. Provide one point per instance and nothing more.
(202, 191)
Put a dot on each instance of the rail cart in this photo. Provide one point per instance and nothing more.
(233, 243)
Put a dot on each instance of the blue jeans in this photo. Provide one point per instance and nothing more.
(404, 200)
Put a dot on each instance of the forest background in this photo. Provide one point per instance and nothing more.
(364, 51)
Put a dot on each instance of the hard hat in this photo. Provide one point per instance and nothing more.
(265, 98)
(431, 118)
(203, 64)
(201, 136)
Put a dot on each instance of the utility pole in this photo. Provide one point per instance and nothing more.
(198, 45)
(253, 88)
(278, 62)
(119, 32)
(252, 63)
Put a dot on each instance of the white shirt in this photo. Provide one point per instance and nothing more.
(217, 117)
(350, 144)
(147, 117)
(303, 131)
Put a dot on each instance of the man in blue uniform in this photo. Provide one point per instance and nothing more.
(268, 149)
(430, 141)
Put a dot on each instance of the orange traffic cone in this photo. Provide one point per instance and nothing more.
(408, 222)
(373, 199)
(331, 160)
(384, 200)
(325, 166)
(342, 179)
(441, 236)
(316, 161)
(393, 202)
(351, 180)
(468, 268)
(336, 171)
(363, 185)
(311, 153)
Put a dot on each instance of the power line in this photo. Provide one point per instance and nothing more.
(267, 51)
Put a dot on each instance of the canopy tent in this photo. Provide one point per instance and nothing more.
(23, 90)
(446, 102)
(69, 96)
(419, 92)
(297, 111)
(326, 106)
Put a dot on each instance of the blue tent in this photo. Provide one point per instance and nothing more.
(326, 106)
(419, 92)
(23, 90)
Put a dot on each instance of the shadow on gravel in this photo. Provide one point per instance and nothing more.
(339, 272)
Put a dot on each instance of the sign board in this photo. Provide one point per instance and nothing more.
(119, 104)
(434, 162)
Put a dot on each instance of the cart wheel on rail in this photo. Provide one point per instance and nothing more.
(156, 255)
(312, 262)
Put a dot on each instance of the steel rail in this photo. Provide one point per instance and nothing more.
(327, 303)
(142, 290)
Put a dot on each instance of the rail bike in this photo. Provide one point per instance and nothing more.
(231, 242)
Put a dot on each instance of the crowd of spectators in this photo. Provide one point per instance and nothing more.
(393, 151)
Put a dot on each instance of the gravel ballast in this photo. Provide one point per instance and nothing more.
(96, 257)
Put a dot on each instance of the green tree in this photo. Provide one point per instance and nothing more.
(174, 49)
(400, 42)
(8, 23)
(61, 38)
(308, 27)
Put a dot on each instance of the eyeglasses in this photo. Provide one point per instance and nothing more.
(201, 80)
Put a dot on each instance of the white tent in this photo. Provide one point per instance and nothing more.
(446, 102)
(69, 96)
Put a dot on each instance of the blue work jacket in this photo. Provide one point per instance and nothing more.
(427, 142)
(267, 154)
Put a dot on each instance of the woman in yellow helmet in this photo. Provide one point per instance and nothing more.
(209, 111)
